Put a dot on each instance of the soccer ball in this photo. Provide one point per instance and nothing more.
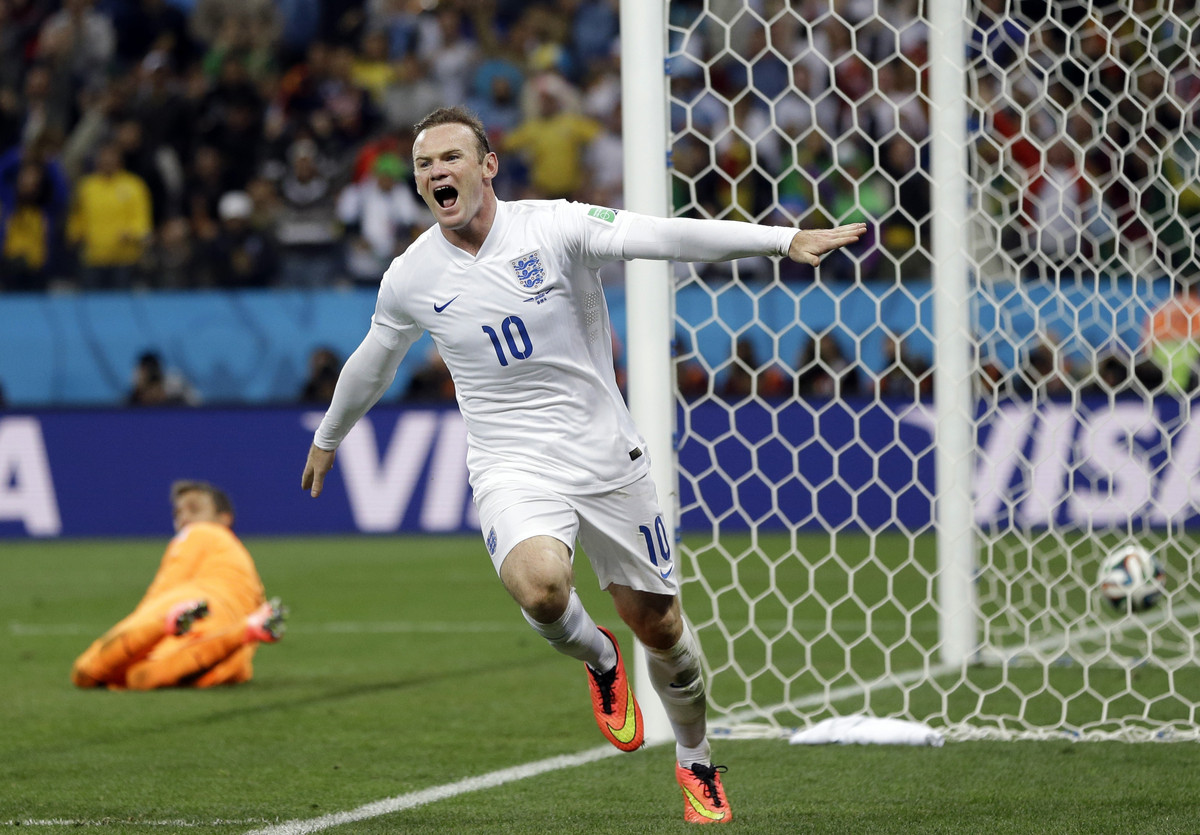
(1131, 578)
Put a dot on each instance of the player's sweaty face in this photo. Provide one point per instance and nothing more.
(195, 506)
(450, 175)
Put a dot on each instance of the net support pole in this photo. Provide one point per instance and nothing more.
(649, 301)
(953, 384)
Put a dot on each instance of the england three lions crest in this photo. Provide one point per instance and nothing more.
(530, 272)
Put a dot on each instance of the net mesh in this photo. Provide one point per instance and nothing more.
(807, 431)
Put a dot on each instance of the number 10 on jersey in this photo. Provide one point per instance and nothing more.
(515, 338)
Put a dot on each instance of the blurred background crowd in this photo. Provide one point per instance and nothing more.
(234, 143)
(252, 143)
(182, 143)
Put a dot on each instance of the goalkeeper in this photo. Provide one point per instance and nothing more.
(203, 615)
(511, 295)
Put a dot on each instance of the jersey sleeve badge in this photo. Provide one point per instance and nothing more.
(602, 214)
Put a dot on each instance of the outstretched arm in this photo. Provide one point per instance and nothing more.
(363, 380)
(689, 239)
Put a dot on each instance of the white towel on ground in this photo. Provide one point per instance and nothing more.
(868, 730)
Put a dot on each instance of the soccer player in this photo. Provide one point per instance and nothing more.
(511, 295)
(203, 615)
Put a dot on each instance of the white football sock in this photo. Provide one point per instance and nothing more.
(575, 634)
(679, 681)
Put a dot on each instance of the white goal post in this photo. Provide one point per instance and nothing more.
(894, 481)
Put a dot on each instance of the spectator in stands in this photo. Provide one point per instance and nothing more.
(323, 370)
(44, 106)
(111, 221)
(1111, 374)
(373, 69)
(145, 26)
(594, 25)
(78, 41)
(241, 255)
(20, 21)
(904, 230)
(1067, 220)
(996, 37)
(824, 370)
(604, 157)
(380, 217)
(231, 121)
(747, 377)
(160, 107)
(348, 114)
(903, 375)
(432, 382)
(154, 385)
(307, 228)
(857, 192)
(29, 230)
(157, 167)
(411, 93)
(450, 54)
(175, 261)
(690, 375)
(249, 28)
(301, 24)
(203, 615)
(1048, 371)
(552, 145)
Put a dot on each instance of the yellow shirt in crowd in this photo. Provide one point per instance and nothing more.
(554, 147)
(110, 219)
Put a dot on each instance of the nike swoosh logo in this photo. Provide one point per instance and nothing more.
(438, 308)
(667, 573)
(699, 807)
(628, 731)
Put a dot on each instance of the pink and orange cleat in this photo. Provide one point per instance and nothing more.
(183, 614)
(703, 796)
(613, 702)
(266, 624)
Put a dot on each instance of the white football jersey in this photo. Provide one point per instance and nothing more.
(523, 327)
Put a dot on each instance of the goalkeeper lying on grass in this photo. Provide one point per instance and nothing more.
(202, 617)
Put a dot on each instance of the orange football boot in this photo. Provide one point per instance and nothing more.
(703, 797)
(613, 702)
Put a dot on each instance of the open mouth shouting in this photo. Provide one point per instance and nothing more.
(446, 196)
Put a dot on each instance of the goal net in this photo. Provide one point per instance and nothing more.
(847, 547)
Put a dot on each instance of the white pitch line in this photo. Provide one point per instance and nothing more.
(431, 795)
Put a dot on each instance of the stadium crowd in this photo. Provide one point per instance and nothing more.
(181, 143)
(257, 143)
(254, 143)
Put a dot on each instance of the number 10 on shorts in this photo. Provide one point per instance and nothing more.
(660, 556)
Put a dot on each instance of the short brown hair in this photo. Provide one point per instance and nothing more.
(219, 497)
(457, 116)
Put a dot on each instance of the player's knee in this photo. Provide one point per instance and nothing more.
(540, 582)
(544, 599)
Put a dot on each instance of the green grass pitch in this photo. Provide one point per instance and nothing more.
(406, 668)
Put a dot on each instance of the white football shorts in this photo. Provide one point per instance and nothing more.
(621, 531)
